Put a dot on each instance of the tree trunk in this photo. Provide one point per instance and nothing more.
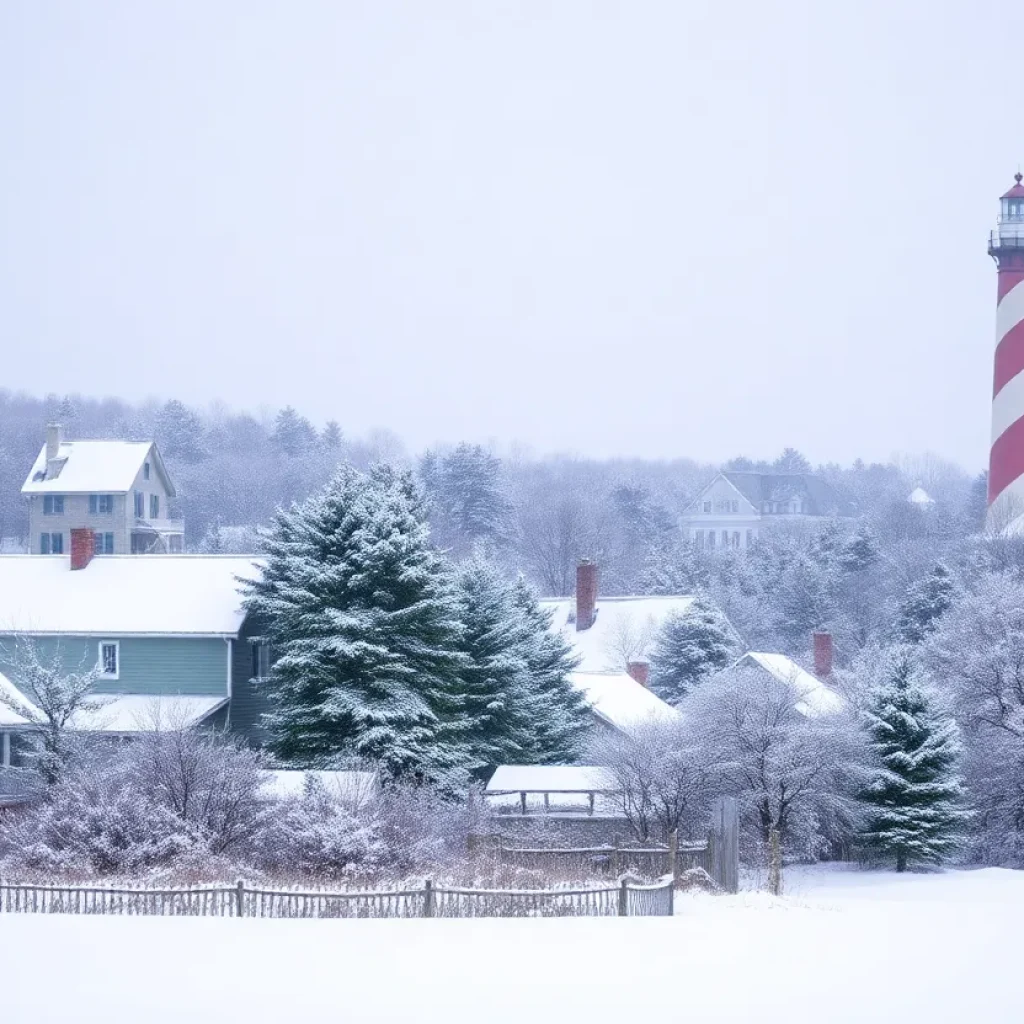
(901, 859)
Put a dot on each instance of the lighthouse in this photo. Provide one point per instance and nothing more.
(1006, 457)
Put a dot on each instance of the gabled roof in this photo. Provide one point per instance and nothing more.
(620, 701)
(121, 595)
(813, 696)
(624, 628)
(820, 497)
(919, 496)
(95, 467)
(551, 778)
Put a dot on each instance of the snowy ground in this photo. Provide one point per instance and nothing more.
(841, 946)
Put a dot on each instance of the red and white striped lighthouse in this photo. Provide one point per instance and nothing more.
(1006, 458)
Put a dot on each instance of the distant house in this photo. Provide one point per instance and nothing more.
(168, 636)
(921, 498)
(812, 693)
(612, 637)
(118, 490)
(731, 510)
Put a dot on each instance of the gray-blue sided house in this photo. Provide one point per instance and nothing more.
(166, 636)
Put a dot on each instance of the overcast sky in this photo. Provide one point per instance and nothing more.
(650, 228)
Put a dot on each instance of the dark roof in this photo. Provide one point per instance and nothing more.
(822, 499)
(1017, 191)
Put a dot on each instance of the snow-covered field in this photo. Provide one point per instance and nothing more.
(843, 945)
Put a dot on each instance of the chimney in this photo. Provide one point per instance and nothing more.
(640, 670)
(822, 654)
(53, 440)
(83, 545)
(586, 594)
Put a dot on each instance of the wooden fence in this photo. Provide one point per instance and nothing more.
(672, 859)
(626, 899)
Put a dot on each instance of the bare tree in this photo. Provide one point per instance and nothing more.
(663, 778)
(203, 777)
(791, 763)
(50, 697)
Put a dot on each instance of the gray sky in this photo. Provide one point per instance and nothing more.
(651, 228)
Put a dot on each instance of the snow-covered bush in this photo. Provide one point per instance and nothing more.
(318, 837)
(208, 780)
(424, 829)
(94, 823)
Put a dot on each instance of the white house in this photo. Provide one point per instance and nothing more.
(731, 510)
(116, 490)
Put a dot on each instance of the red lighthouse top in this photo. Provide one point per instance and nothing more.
(1017, 192)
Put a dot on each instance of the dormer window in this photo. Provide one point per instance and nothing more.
(53, 504)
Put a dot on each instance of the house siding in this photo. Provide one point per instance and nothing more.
(157, 666)
(248, 699)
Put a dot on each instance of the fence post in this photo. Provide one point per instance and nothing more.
(774, 863)
(428, 898)
(623, 898)
(615, 856)
(240, 899)
(673, 854)
(672, 899)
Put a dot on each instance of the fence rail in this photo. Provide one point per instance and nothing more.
(672, 859)
(626, 899)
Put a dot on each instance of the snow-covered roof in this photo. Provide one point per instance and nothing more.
(90, 467)
(119, 595)
(119, 713)
(620, 700)
(351, 788)
(814, 697)
(624, 628)
(133, 712)
(9, 694)
(919, 496)
(534, 778)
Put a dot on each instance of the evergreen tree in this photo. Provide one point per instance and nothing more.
(363, 620)
(497, 705)
(180, 433)
(925, 602)
(331, 438)
(689, 647)
(914, 798)
(465, 495)
(860, 552)
(293, 434)
(564, 717)
(791, 461)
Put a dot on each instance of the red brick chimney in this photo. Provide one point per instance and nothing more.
(822, 655)
(640, 670)
(83, 546)
(586, 594)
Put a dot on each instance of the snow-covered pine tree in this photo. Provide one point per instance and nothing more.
(563, 718)
(497, 709)
(688, 647)
(925, 602)
(914, 797)
(363, 620)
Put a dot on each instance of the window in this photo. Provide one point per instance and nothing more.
(767, 506)
(53, 505)
(260, 659)
(711, 540)
(145, 471)
(109, 659)
(735, 506)
(154, 506)
(735, 538)
(51, 544)
(707, 506)
(103, 543)
(140, 505)
(698, 539)
(750, 538)
(101, 504)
